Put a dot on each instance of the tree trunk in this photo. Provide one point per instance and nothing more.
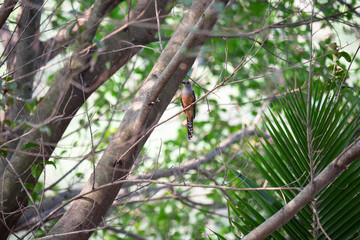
(86, 213)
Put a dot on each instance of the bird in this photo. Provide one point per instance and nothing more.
(187, 97)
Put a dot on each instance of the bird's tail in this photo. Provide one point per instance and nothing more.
(190, 129)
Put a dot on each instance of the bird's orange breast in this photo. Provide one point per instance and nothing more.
(186, 100)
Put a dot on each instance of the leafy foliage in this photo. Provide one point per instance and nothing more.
(266, 46)
(286, 162)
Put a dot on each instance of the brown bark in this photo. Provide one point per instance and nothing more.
(27, 47)
(48, 205)
(61, 103)
(146, 109)
(6, 8)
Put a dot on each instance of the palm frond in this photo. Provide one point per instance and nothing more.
(285, 162)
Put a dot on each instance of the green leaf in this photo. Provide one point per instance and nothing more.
(218, 235)
(48, 162)
(285, 162)
(30, 145)
(80, 175)
(346, 56)
(36, 170)
(4, 153)
(29, 186)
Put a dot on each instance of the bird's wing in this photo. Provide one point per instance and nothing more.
(194, 104)
(181, 100)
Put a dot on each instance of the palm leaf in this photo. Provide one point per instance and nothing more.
(285, 162)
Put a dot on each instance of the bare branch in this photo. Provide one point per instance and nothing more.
(50, 204)
(196, 163)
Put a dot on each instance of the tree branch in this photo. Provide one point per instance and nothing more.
(27, 47)
(51, 203)
(196, 163)
(145, 110)
(60, 104)
(326, 177)
(6, 8)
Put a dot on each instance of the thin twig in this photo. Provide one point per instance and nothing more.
(308, 110)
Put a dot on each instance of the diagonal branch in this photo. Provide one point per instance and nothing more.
(50, 204)
(146, 109)
(196, 163)
(326, 177)
(6, 8)
(62, 101)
